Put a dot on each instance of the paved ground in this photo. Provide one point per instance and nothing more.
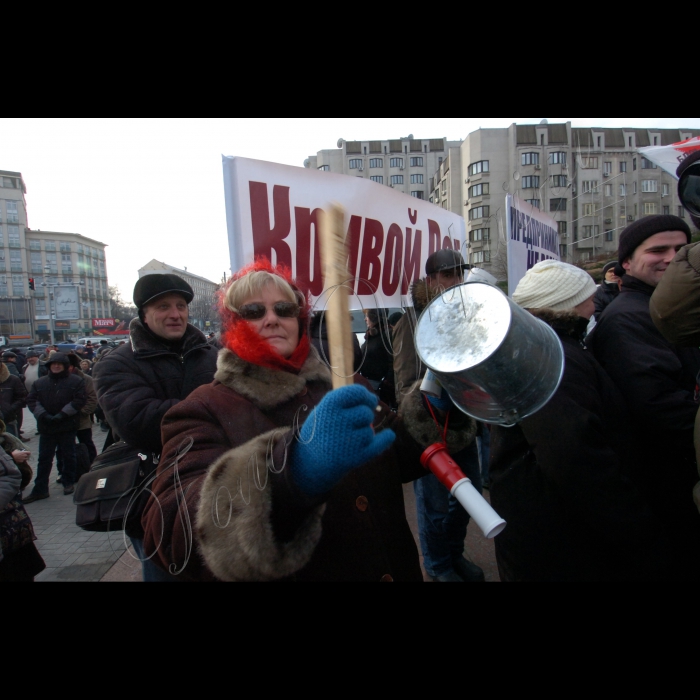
(72, 554)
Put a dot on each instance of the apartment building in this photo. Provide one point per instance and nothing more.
(202, 309)
(592, 181)
(404, 164)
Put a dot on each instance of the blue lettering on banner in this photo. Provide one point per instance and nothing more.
(535, 234)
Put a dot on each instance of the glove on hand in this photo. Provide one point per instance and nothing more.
(444, 403)
(57, 418)
(337, 437)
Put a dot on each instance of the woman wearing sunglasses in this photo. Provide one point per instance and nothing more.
(268, 474)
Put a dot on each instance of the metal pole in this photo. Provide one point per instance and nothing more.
(51, 306)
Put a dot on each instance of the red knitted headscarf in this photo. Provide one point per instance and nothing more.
(240, 337)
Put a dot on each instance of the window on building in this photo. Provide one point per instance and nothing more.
(607, 167)
(377, 178)
(40, 305)
(664, 190)
(480, 234)
(589, 231)
(589, 186)
(623, 166)
(324, 167)
(666, 210)
(589, 209)
(562, 251)
(9, 182)
(589, 161)
(355, 163)
(481, 256)
(49, 245)
(650, 185)
(529, 158)
(623, 190)
(417, 162)
(634, 188)
(559, 181)
(650, 208)
(478, 190)
(531, 182)
(647, 164)
(35, 263)
(681, 212)
(418, 194)
(608, 190)
(557, 204)
(443, 186)
(396, 162)
(3, 287)
(13, 236)
(376, 162)
(634, 163)
(16, 261)
(34, 245)
(478, 213)
(65, 247)
(417, 179)
(12, 215)
(534, 202)
(562, 227)
(481, 166)
(608, 235)
(635, 210)
(396, 179)
(557, 157)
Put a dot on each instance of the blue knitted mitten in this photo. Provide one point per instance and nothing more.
(337, 437)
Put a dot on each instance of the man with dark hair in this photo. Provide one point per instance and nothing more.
(138, 382)
(442, 522)
(657, 380)
(56, 401)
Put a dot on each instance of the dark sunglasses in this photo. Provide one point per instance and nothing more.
(689, 189)
(282, 309)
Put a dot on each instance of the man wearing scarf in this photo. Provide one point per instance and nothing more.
(166, 359)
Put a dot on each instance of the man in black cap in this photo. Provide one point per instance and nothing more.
(442, 522)
(56, 401)
(657, 380)
(165, 360)
(9, 359)
(608, 288)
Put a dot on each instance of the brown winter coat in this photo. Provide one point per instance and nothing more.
(91, 404)
(241, 517)
(675, 311)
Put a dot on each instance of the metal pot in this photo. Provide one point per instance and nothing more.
(498, 363)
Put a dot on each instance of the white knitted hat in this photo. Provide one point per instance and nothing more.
(554, 285)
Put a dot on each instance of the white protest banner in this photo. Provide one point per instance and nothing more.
(669, 157)
(66, 303)
(273, 209)
(532, 237)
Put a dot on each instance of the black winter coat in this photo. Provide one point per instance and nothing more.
(658, 382)
(560, 479)
(138, 383)
(605, 293)
(13, 395)
(55, 394)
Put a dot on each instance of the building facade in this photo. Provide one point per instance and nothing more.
(203, 307)
(404, 164)
(593, 182)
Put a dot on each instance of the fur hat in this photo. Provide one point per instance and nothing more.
(151, 286)
(636, 233)
(554, 285)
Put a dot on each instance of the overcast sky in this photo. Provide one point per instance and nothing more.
(153, 188)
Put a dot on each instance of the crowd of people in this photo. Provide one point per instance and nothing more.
(263, 472)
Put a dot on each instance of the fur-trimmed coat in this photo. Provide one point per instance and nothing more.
(231, 509)
(561, 479)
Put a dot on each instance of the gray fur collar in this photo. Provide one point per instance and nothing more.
(145, 343)
(264, 387)
(566, 322)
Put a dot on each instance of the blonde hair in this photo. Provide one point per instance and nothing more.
(252, 284)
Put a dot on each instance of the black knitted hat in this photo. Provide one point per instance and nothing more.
(151, 286)
(635, 234)
(608, 266)
(446, 259)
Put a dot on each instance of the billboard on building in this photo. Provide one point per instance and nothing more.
(66, 303)
(532, 237)
(273, 209)
(109, 326)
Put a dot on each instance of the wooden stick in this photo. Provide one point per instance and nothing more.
(334, 256)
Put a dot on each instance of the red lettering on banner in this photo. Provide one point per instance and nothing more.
(433, 236)
(372, 244)
(413, 216)
(393, 257)
(304, 219)
(352, 241)
(265, 239)
(411, 264)
(447, 243)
